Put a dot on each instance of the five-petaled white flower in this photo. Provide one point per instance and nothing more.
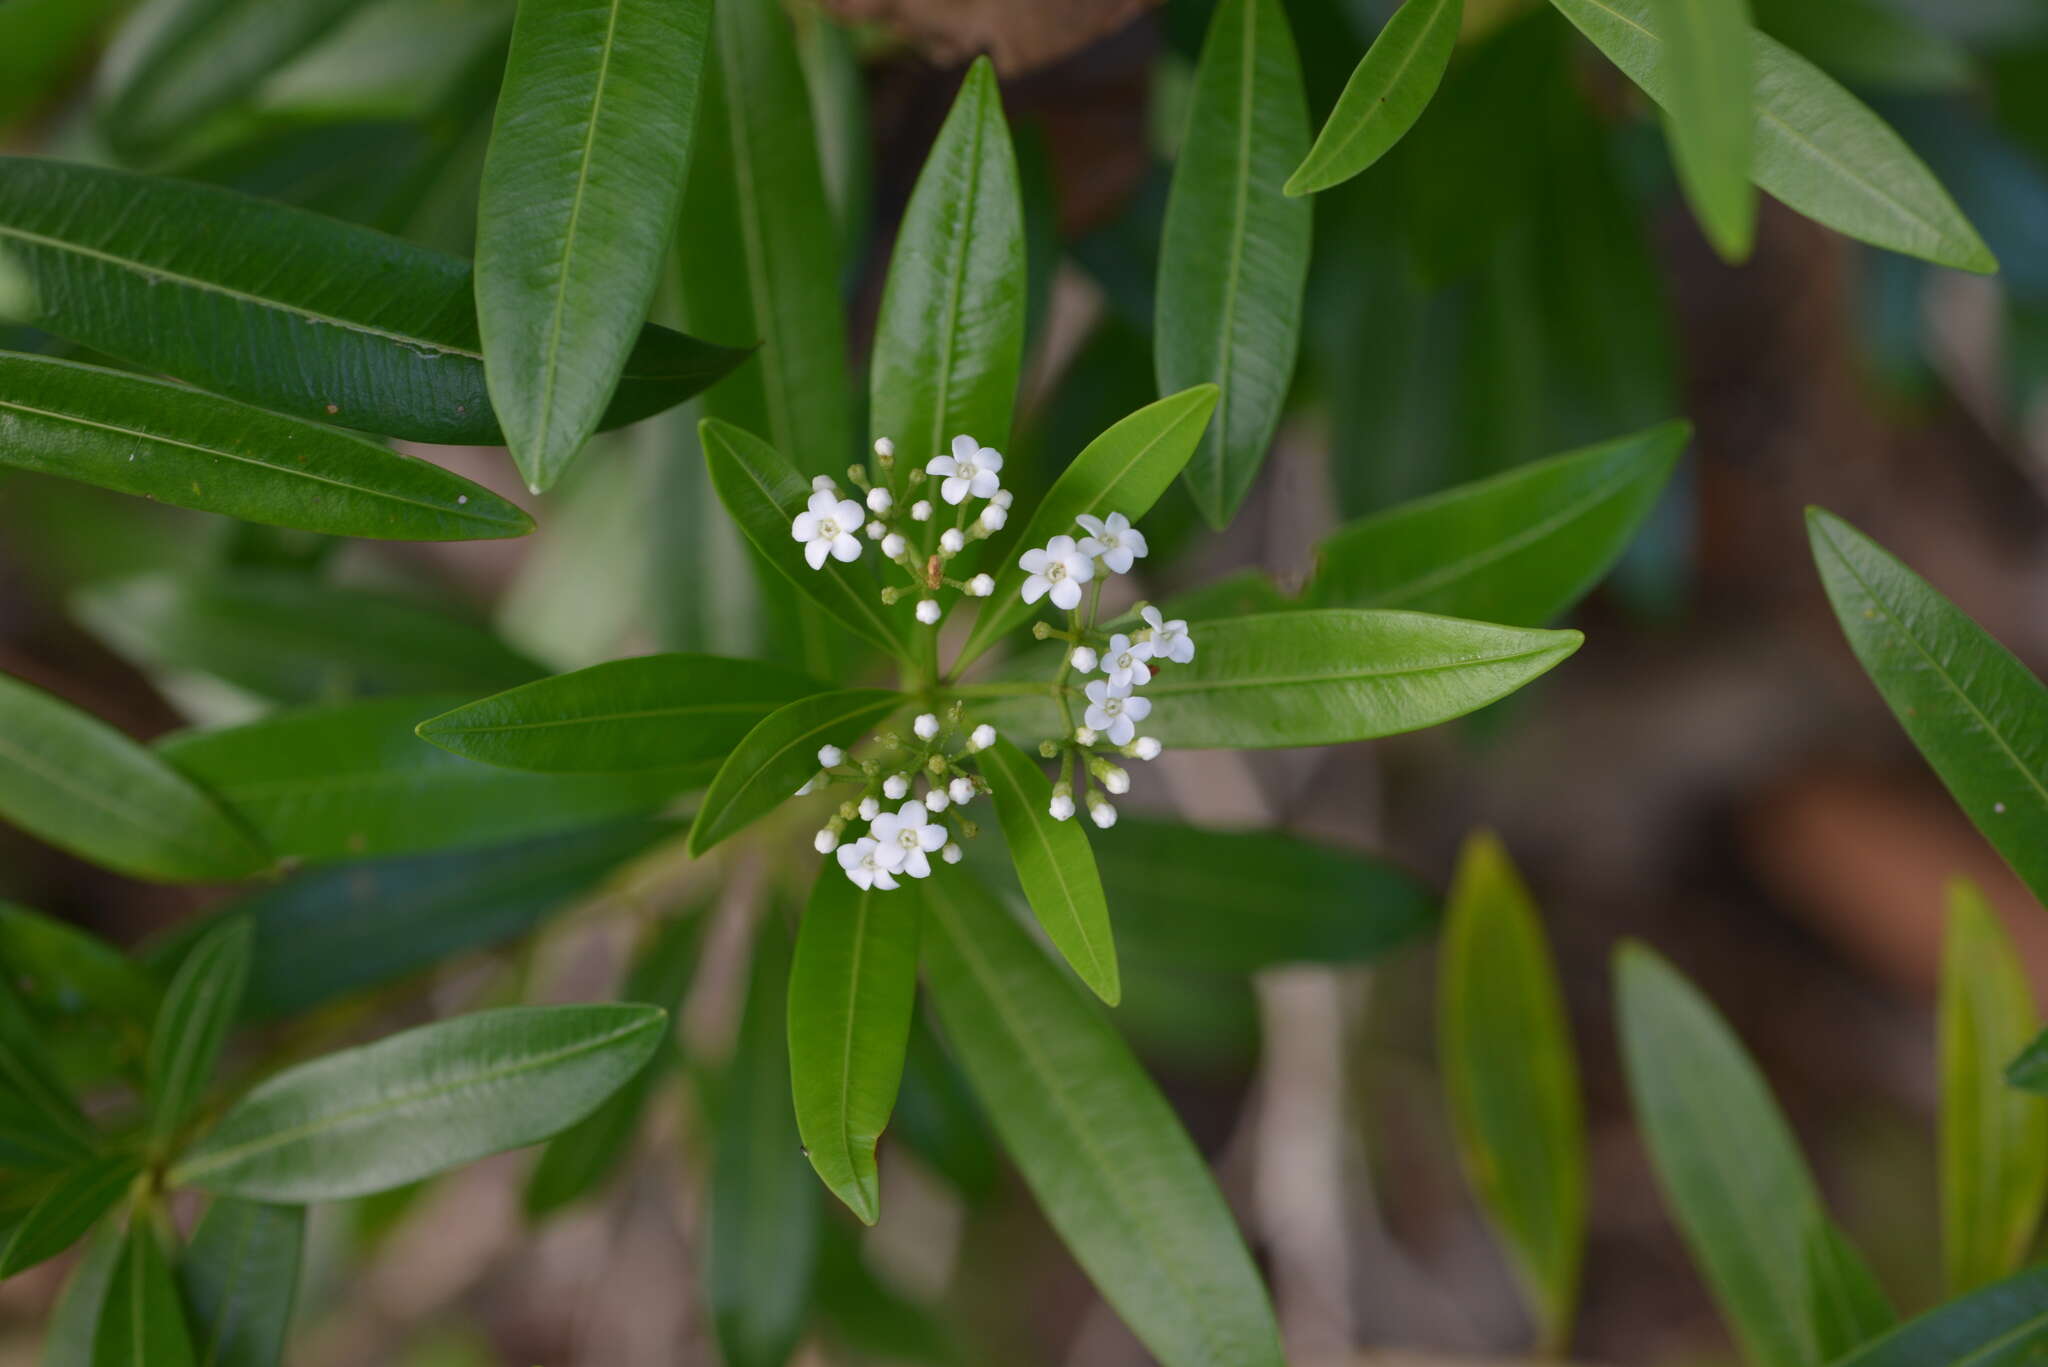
(1115, 711)
(1124, 661)
(863, 862)
(906, 837)
(828, 526)
(1059, 569)
(1170, 640)
(971, 469)
(1114, 539)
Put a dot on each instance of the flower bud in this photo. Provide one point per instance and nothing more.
(1061, 807)
(952, 542)
(993, 517)
(1116, 780)
(823, 484)
(1147, 747)
(880, 500)
(921, 511)
(981, 586)
(1083, 659)
(876, 531)
(983, 737)
(830, 756)
(928, 611)
(1103, 815)
(884, 447)
(1001, 498)
(936, 801)
(896, 787)
(926, 726)
(961, 790)
(1084, 735)
(869, 809)
(893, 545)
(952, 854)
(827, 841)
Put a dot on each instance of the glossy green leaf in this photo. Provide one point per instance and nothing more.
(1124, 470)
(2003, 1325)
(75, 1321)
(1512, 1079)
(950, 337)
(428, 1099)
(76, 782)
(178, 446)
(1849, 1308)
(852, 984)
(283, 308)
(1728, 1164)
(142, 1319)
(580, 193)
(1233, 256)
(651, 712)
(1704, 67)
(1994, 1139)
(1975, 712)
(71, 1206)
(780, 754)
(1815, 147)
(202, 1001)
(1386, 94)
(1055, 866)
(1519, 548)
(240, 1276)
(1112, 1169)
(67, 971)
(351, 780)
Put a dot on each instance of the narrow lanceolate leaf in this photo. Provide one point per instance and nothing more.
(240, 1275)
(1994, 1138)
(1124, 470)
(1519, 548)
(71, 1206)
(379, 1116)
(1849, 1308)
(203, 1000)
(75, 1321)
(1110, 1165)
(1975, 712)
(279, 307)
(1512, 1079)
(1730, 1169)
(67, 971)
(852, 985)
(1816, 147)
(764, 493)
(1055, 867)
(950, 337)
(780, 754)
(40, 1124)
(1233, 255)
(2003, 1325)
(141, 1319)
(1386, 94)
(1706, 71)
(76, 782)
(652, 712)
(579, 197)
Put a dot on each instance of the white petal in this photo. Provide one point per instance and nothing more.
(1033, 561)
(1090, 546)
(954, 490)
(1066, 595)
(816, 551)
(917, 866)
(1061, 546)
(884, 881)
(1035, 587)
(849, 513)
(941, 465)
(985, 483)
(930, 838)
(1081, 568)
(805, 527)
(911, 814)
(823, 502)
(1118, 560)
(1098, 689)
(965, 446)
(989, 459)
(844, 547)
(861, 877)
(1135, 539)
(1152, 617)
(1093, 524)
(1095, 718)
(1121, 731)
(1137, 707)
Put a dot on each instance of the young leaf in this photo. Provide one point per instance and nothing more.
(76, 782)
(1055, 866)
(1113, 1170)
(1705, 69)
(141, 1319)
(950, 337)
(428, 1099)
(1512, 1079)
(1816, 147)
(579, 197)
(1386, 94)
(1519, 548)
(651, 712)
(1849, 1308)
(1975, 712)
(2003, 1325)
(776, 757)
(1233, 256)
(852, 985)
(1994, 1140)
(71, 1206)
(203, 1000)
(1727, 1161)
(75, 1321)
(279, 307)
(240, 1275)
(1124, 470)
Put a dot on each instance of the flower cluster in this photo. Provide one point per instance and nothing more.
(899, 843)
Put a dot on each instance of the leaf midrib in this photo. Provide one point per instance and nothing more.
(601, 718)
(1037, 821)
(98, 798)
(1167, 685)
(1226, 354)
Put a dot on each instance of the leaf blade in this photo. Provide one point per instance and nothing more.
(1706, 69)
(204, 997)
(2002, 1325)
(240, 1276)
(772, 761)
(72, 1205)
(1388, 90)
(141, 1319)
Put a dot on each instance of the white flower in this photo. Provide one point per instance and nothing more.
(993, 517)
(830, 756)
(981, 586)
(1148, 747)
(983, 737)
(1103, 815)
(880, 500)
(1115, 780)
(1083, 659)
(962, 790)
(896, 787)
(952, 854)
(952, 541)
(928, 611)
(869, 809)
(1059, 569)
(1002, 498)
(936, 801)
(827, 841)
(893, 545)
(823, 484)
(828, 525)
(906, 837)
(863, 862)
(926, 725)
(1114, 539)
(921, 511)
(971, 469)
(1124, 662)
(1062, 807)
(1170, 640)
(1115, 711)
(884, 447)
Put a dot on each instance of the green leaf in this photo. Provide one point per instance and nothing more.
(1849, 1308)
(282, 308)
(1233, 255)
(67, 971)
(1386, 94)
(75, 1321)
(41, 1126)
(2029, 1068)
(342, 782)
(41, 42)
(76, 782)
(379, 1116)
(778, 755)
(653, 712)
(176, 445)
(580, 193)
(950, 336)
(141, 1319)
(1512, 1079)
(240, 1275)
(1113, 1170)
(1519, 548)
(1704, 67)
(852, 985)
(1975, 712)
(938, 1119)
(1816, 147)
(1724, 1155)
(203, 1000)
(1055, 866)
(1994, 1140)
(2003, 1325)
(71, 1206)
(1124, 470)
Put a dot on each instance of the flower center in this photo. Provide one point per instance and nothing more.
(1109, 540)
(828, 528)
(1113, 706)
(966, 469)
(907, 838)
(1124, 661)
